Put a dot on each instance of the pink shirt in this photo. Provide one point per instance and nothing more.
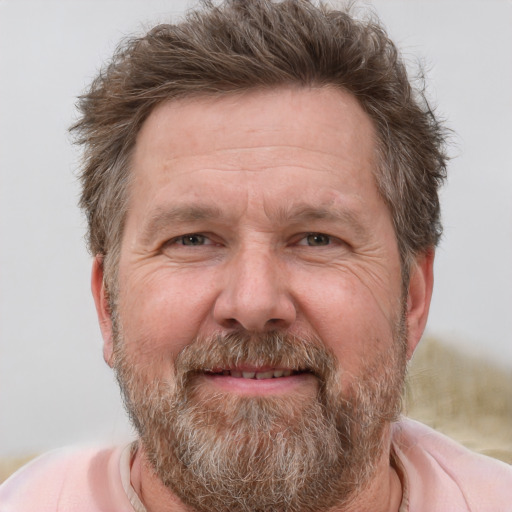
(70, 480)
(438, 475)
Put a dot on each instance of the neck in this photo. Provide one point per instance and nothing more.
(151, 491)
(382, 494)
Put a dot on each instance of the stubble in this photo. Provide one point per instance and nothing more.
(229, 453)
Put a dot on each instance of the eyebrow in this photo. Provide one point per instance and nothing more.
(161, 218)
(303, 212)
(299, 213)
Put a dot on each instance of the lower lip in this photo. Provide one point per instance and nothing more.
(261, 387)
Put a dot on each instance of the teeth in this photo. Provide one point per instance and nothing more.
(265, 375)
(271, 374)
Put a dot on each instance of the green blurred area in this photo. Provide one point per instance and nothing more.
(466, 398)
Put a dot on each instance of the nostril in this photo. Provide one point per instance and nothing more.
(275, 324)
(231, 323)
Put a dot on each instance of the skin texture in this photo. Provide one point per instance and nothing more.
(289, 234)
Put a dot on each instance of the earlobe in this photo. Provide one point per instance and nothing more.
(421, 283)
(100, 294)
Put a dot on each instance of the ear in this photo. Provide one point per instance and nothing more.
(421, 282)
(100, 294)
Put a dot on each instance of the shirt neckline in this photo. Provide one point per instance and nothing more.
(126, 462)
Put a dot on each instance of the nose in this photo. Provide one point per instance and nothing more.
(254, 294)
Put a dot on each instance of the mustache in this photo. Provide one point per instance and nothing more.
(241, 349)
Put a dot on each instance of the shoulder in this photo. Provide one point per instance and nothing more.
(67, 480)
(449, 475)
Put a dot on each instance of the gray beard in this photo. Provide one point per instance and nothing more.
(225, 453)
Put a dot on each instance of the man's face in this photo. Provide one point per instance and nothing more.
(259, 271)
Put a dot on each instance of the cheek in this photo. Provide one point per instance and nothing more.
(350, 319)
(162, 312)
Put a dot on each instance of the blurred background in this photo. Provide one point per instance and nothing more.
(55, 388)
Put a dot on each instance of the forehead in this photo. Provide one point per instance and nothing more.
(308, 113)
(263, 140)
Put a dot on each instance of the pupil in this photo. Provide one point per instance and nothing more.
(318, 239)
(193, 240)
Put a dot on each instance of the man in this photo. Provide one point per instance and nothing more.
(260, 183)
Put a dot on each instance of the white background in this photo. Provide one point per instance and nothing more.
(54, 387)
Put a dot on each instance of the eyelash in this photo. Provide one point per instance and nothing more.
(328, 238)
(182, 240)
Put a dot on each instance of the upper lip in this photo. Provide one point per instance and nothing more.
(253, 372)
(249, 368)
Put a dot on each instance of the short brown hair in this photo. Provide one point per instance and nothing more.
(247, 44)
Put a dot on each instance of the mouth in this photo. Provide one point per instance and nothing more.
(257, 373)
(259, 381)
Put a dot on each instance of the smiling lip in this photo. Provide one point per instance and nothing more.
(259, 381)
(253, 373)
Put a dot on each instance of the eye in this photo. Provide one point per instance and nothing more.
(191, 240)
(192, 248)
(316, 240)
